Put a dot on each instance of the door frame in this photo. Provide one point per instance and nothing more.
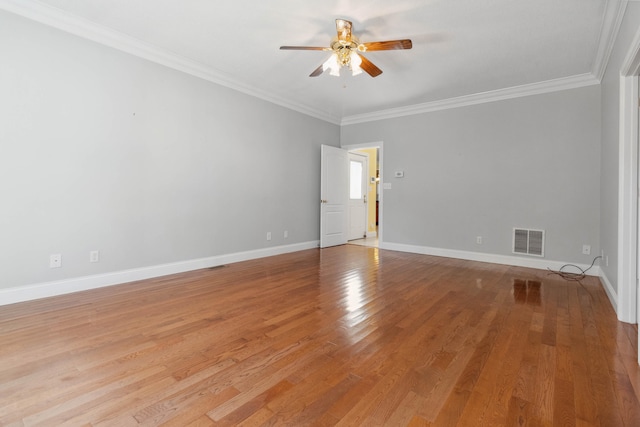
(628, 191)
(628, 307)
(379, 145)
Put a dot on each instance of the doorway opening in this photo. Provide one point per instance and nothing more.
(372, 177)
(359, 195)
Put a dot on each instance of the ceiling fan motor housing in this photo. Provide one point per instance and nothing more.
(343, 49)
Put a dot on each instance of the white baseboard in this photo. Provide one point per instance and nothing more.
(372, 234)
(542, 264)
(538, 263)
(611, 293)
(66, 286)
(76, 284)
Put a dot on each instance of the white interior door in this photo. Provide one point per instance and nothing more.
(358, 171)
(334, 195)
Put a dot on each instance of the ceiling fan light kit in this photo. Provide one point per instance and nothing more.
(343, 58)
(346, 52)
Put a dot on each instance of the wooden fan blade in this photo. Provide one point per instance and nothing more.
(369, 67)
(303, 48)
(343, 27)
(388, 45)
(317, 71)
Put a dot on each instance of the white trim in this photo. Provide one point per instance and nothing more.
(631, 64)
(485, 257)
(608, 288)
(90, 30)
(548, 86)
(627, 200)
(613, 14)
(628, 185)
(371, 234)
(49, 289)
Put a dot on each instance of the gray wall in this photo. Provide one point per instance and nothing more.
(481, 170)
(103, 150)
(611, 141)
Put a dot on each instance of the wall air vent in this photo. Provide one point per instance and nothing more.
(528, 242)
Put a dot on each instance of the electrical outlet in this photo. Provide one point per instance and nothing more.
(55, 261)
(586, 249)
(94, 256)
(286, 234)
(479, 240)
(268, 235)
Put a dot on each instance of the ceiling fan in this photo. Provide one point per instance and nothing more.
(347, 52)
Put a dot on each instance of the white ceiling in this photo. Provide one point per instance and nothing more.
(461, 48)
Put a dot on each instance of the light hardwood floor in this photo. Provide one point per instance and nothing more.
(349, 335)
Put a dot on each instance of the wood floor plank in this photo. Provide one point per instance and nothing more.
(444, 382)
(499, 375)
(310, 399)
(545, 380)
(405, 412)
(348, 335)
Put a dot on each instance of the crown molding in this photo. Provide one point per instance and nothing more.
(613, 14)
(478, 98)
(631, 63)
(87, 29)
(51, 16)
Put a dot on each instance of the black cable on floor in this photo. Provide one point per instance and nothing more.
(573, 276)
